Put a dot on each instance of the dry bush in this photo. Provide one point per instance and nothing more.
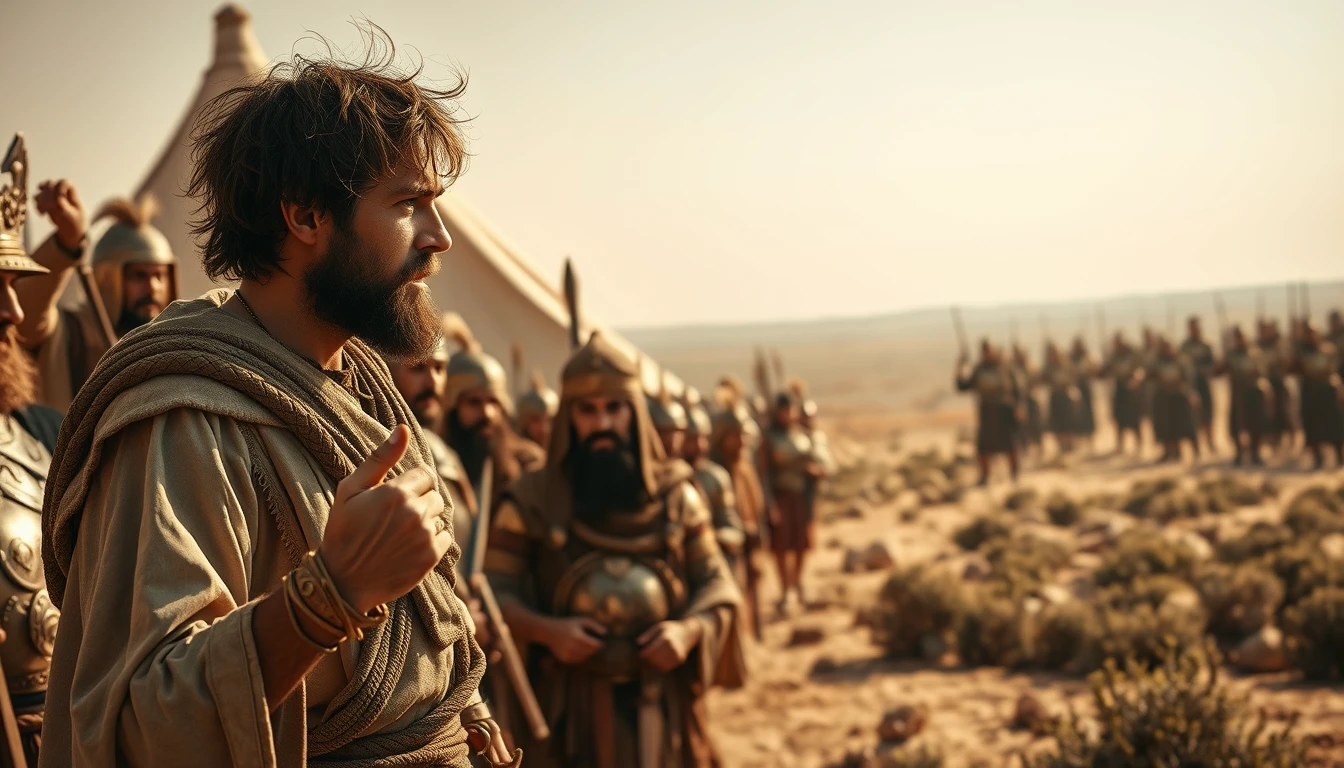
(1315, 634)
(1240, 599)
(1061, 637)
(1260, 540)
(990, 634)
(1178, 713)
(1143, 492)
(983, 529)
(1020, 499)
(1141, 553)
(1227, 492)
(1063, 510)
(1020, 564)
(1315, 511)
(916, 603)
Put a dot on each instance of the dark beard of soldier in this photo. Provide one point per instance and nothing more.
(606, 480)
(131, 318)
(472, 446)
(18, 373)
(391, 315)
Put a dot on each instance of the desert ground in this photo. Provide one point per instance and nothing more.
(820, 685)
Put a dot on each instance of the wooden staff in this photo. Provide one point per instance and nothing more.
(962, 343)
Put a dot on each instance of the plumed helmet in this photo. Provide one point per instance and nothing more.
(130, 240)
(470, 367)
(14, 210)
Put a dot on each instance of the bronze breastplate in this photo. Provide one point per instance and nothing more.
(28, 616)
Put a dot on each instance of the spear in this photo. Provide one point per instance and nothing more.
(1306, 302)
(572, 304)
(961, 332)
(1292, 304)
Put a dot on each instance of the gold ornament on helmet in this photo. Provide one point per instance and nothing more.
(14, 211)
(130, 240)
(471, 368)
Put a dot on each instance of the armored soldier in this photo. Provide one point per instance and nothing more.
(1244, 366)
(1125, 369)
(1065, 400)
(1277, 358)
(730, 442)
(997, 390)
(791, 467)
(716, 486)
(1201, 359)
(1317, 368)
(1336, 334)
(27, 437)
(134, 274)
(607, 563)
(536, 411)
(1175, 401)
(669, 420)
(477, 411)
(1085, 369)
(1031, 428)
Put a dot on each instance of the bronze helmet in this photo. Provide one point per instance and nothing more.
(698, 422)
(471, 368)
(130, 240)
(666, 412)
(538, 401)
(14, 210)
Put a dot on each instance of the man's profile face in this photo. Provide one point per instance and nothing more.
(674, 442)
(732, 443)
(371, 283)
(537, 428)
(145, 290)
(478, 409)
(599, 418)
(421, 385)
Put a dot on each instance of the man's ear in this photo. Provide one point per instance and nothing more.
(304, 222)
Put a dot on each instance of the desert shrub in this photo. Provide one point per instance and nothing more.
(1140, 553)
(1178, 713)
(1227, 492)
(1063, 510)
(1239, 599)
(1257, 542)
(1059, 636)
(1315, 511)
(983, 529)
(916, 603)
(910, 756)
(1141, 620)
(990, 634)
(1315, 634)
(1020, 499)
(1142, 493)
(1019, 564)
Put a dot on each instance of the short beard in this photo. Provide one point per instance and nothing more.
(473, 446)
(607, 480)
(18, 373)
(389, 314)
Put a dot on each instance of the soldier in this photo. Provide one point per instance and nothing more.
(1175, 401)
(1199, 355)
(1031, 429)
(477, 409)
(1279, 431)
(1248, 415)
(133, 271)
(1337, 334)
(730, 446)
(27, 437)
(821, 446)
(1126, 371)
(790, 466)
(1148, 388)
(1317, 368)
(716, 486)
(998, 394)
(669, 420)
(536, 411)
(1065, 403)
(606, 561)
(1085, 368)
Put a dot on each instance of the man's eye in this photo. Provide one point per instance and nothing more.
(409, 202)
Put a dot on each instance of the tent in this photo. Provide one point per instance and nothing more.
(500, 295)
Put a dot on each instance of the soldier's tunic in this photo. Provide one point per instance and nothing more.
(1202, 361)
(1277, 362)
(998, 394)
(1250, 390)
(1174, 400)
(29, 618)
(1085, 370)
(1031, 427)
(1126, 402)
(1065, 401)
(717, 486)
(787, 453)
(1319, 386)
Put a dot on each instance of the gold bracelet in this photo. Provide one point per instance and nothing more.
(294, 587)
(355, 621)
(313, 589)
(298, 627)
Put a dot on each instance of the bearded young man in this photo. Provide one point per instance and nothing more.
(133, 272)
(607, 564)
(275, 586)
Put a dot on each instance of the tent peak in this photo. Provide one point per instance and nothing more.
(235, 45)
(230, 15)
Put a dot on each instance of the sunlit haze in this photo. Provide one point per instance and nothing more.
(732, 161)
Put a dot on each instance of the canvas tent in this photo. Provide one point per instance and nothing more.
(500, 295)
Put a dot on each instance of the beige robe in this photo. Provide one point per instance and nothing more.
(155, 662)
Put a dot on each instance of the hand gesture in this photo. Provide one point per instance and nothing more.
(59, 201)
(667, 644)
(382, 538)
(574, 640)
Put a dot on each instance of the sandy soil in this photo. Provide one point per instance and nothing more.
(792, 715)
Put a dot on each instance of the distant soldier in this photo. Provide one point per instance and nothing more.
(1175, 401)
(1201, 359)
(730, 447)
(669, 420)
(1148, 389)
(1337, 334)
(1317, 368)
(791, 466)
(998, 396)
(133, 269)
(1031, 428)
(536, 411)
(1085, 369)
(717, 487)
(1244, 366)
(1125, 369)
(1277, 358)
(1065, 400)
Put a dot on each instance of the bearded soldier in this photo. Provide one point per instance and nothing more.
(1201, 359)
(1125, 369)
(1248, 416)
(607, 562)
(1175, 401)
(134, 274)
(477, 409)
(1065, 401)
(27, 436)
(1085, 369)
(536, 411)
(276, 586)
(1277, 358)
(1317, 368)
(1031, 429)
(998, 393)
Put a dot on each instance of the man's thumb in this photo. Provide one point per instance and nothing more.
(374, 470)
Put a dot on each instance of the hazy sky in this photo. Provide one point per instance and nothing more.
(730, 160)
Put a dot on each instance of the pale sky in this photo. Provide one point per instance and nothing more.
(733, 160)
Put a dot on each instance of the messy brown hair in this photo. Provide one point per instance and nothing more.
(314, 131)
